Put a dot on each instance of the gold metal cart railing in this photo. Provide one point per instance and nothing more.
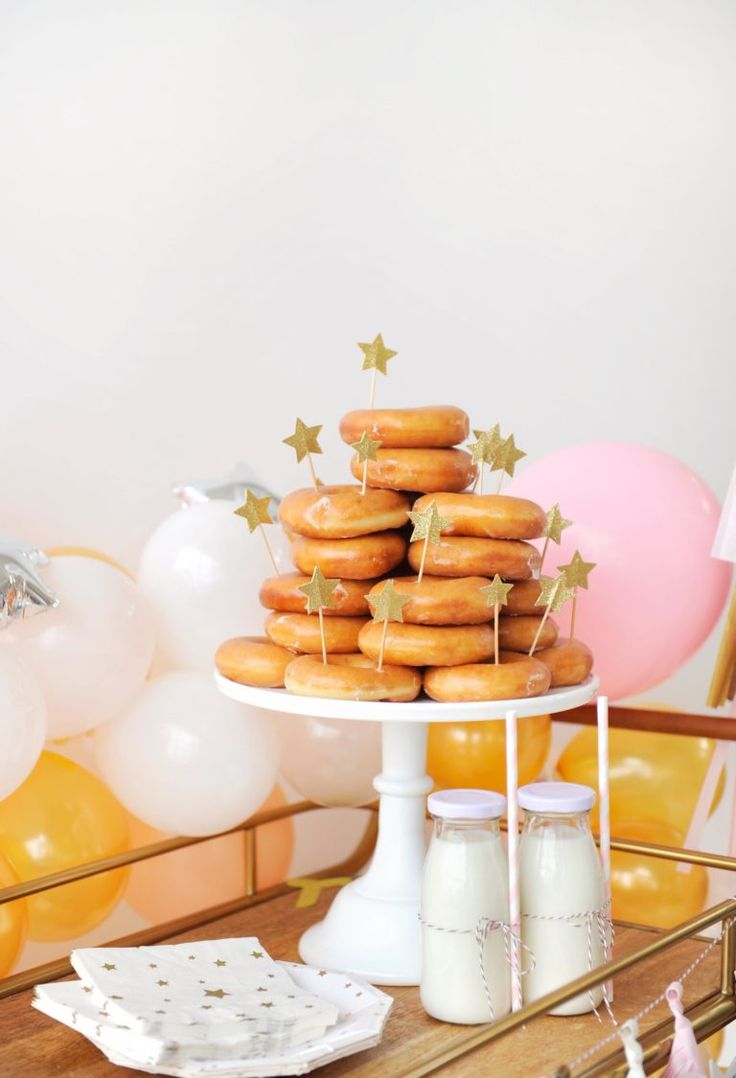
(711, 1012)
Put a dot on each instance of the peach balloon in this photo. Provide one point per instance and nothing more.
(92, 653)
(196, 877)
(649, 890)
(13, 922)
(473, 754)
(652, 776)
(63, 816)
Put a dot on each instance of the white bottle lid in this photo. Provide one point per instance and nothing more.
(467, 804)
(543, 797)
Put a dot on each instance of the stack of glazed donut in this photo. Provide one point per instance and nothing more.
(445, 642)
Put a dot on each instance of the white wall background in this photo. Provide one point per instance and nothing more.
(204, 205)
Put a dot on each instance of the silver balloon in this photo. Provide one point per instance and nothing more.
(230, 487)
(22, 591)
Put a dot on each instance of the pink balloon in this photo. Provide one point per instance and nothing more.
(648, 522)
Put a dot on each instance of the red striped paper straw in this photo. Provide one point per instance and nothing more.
(604, 816)
(512, 815)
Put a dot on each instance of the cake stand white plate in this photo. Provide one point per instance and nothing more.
(372, 927)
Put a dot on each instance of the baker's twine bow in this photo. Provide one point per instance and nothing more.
(483, 928)
(594, 920)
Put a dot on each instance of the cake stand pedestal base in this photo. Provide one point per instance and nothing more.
(372, 928)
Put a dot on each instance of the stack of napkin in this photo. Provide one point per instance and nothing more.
(220, 1007)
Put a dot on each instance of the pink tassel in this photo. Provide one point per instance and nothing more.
(685, 1057)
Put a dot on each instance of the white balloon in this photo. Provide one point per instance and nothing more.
(330, 761)
(200, 573)
(92, 653)
(186, 759)
(22, 722)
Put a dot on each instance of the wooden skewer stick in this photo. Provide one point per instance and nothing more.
(496, 611)
(424, 558)
(262, 530)
(314, 474)
(365, 475)
(383, 645)
(322, 635)
(539, 630)
(573, 612)
(373, 387)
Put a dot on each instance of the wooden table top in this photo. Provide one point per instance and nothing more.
(34, 1046)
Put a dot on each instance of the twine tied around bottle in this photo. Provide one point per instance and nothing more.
(484, 926)
(595, 921)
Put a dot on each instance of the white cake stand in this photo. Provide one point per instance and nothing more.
(372, 927)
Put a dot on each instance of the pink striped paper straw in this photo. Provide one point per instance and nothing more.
(702, 805)
(604, 814)
(512, 815)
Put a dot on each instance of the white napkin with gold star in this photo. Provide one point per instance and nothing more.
(222, 992)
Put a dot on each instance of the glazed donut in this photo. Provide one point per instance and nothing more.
(427, 645)
(523, 597)
(512, 559)
(342, 512)
(351, 677)
(487, 516)
(517, 633)
(361, 558)
(253, 660)
(282, 593)
(430, 427)
(515, 677)
(441, 600)
(422, 470)
(568, 661)
(300, 632)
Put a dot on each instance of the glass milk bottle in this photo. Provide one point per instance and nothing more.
(465, 879)
(560, 879)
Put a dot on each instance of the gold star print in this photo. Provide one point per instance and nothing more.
(220, 962)
(376, 355)
(319, 591)
(256, 954)
(553, 593)
(577, 571)
(387, 605)
(556, 524)
(367, 448)
(109, 965)
(217, 993)
(153, 965)
(162, 984)
(267, 1005)
(206, 1006)
(191, 957)
(428, 524)
(507, 456)
(304, 440)
(496, 592)
(255, 511)
(86, 988)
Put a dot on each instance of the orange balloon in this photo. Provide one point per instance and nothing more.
(196, 877)
(652, 776)
(62, 816)
(13, 922)
(473, 754)
(649, 890)
(87, 552)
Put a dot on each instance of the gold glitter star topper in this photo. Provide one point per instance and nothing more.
(485, 449)
(387, 606)
(497, 595)
(428, 525)
(304, 442)
(319, 597)
(553, 594)
(506, 458)
(255, 512)
(553, 530)
(576, 574)
(375, 358)
(367, 449)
